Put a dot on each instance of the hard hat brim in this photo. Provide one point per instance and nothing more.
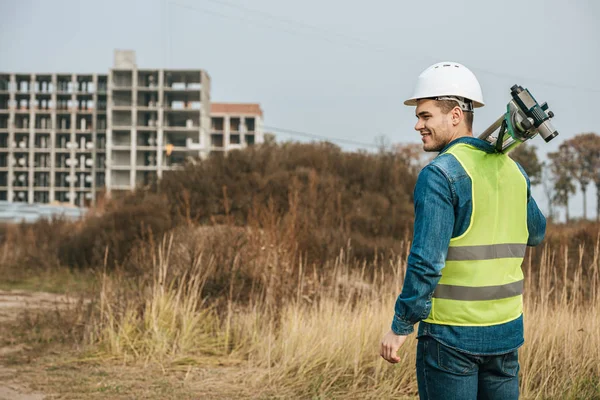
(413, 102)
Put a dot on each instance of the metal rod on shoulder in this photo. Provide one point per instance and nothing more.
(492, 128)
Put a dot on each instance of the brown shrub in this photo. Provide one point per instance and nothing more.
(308, 200)
(566, 246)
(114, 233)
(322, 196)
(35, 245)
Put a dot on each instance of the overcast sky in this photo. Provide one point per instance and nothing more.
(333, 68)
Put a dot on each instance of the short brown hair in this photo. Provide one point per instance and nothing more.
(448, 105)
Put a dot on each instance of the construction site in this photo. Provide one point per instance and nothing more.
(69, 138)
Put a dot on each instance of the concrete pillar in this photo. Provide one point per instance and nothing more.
(258, 130)
(94, 138)
(109, 126)
(72, 139)
(31, 144)
(243, 131)
(134, 123)
(227, 132)
(161, 124)
(11, 137)
(205, 128)
(52, 194)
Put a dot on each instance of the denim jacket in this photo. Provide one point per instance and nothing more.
(443, 209)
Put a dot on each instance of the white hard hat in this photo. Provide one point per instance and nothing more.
(447, 79)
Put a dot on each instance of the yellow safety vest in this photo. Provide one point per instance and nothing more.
(482, 280)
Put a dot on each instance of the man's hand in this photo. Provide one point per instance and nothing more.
(390, 344)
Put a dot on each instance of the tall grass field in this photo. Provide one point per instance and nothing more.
(286, 286)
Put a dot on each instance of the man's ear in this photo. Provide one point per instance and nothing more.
(457, 115)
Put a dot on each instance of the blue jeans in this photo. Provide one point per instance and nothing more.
(445, 373)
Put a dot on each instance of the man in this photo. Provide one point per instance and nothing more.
(474, 216)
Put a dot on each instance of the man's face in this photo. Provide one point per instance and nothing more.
(435, 127)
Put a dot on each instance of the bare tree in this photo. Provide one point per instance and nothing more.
(592, 143)
(548, 187)
(578, 157)
(527, 157)
(414, 155)
(563, 182)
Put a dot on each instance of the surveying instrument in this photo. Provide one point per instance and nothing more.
(523, 120)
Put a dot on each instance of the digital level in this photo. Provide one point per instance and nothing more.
(524, 118)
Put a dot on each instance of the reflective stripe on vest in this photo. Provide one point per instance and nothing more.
(482, 281)
(479, 293)
(486, 252)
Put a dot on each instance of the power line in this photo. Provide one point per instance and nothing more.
(278, 18)
(540, 81)
(253, 22)
(273, 128)
(354, 41)
(319, 137)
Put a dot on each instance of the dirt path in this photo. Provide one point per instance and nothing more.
(12, 304)
(29, 374)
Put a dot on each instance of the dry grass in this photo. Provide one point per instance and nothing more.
(242, 314)
(265, 305)
(321, 340)
(170, 323)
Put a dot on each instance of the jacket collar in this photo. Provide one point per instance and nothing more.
(472, 141)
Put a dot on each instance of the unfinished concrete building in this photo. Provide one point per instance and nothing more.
(157, 119)
(235, 125)
(67, 137)
(52, 137)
